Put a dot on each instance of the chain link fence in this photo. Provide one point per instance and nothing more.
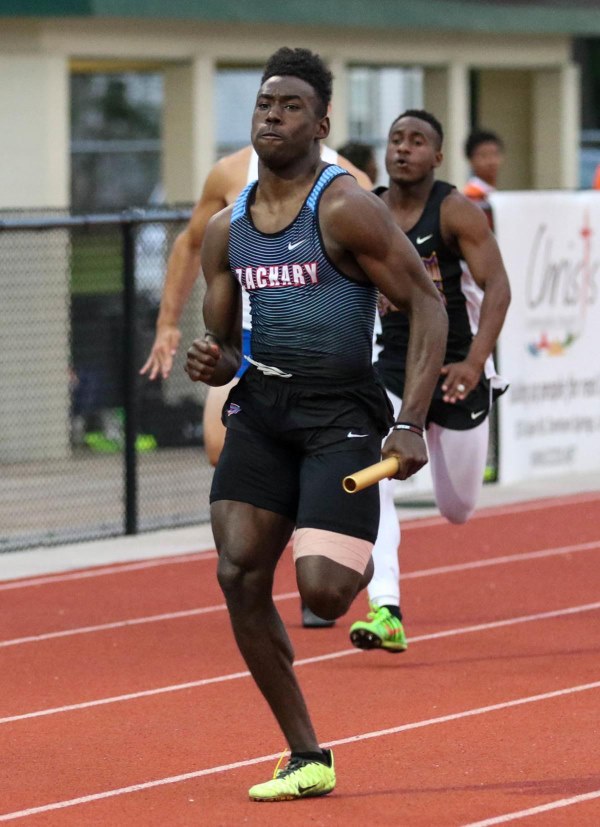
(88, 447)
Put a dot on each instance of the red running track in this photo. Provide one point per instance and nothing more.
(124, 701)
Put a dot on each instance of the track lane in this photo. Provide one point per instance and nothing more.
(189, 582)
(442, 770)
(435, 571)
(160, 733)
(135, 658)
(123, 744)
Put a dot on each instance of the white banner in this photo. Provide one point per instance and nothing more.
(549, 349)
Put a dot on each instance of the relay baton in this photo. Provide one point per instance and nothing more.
(370, 475)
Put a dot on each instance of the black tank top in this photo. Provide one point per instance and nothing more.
(444, 267)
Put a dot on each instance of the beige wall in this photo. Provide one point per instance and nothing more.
(446, 93)
(537, 114)
(34, 327)
(554, 114)
(529, 94)
(505, 107)
(36, 53)
(34, 277)
(34, 133)
(188, 128)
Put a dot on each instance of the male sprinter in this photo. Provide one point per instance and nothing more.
(312, 249)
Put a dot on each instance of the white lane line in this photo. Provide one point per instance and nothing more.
(221, 607)
(498, 624)
(85, 574)
(174, 779)
(135, 621)
(116, 624)
(342, 653)
(533, 811)
(506, 510)
(506, 558)
(409, 525)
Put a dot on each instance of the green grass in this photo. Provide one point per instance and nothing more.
(96, 261)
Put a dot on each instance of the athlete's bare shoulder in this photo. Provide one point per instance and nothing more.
(223, 184)
(221, 220)
(458, 214)
(231, 173)
(346, 210)
(216, 239)
(361, 177)
(345, 192)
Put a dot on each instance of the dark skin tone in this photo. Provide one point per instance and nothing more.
(413, 154)
(364, 243)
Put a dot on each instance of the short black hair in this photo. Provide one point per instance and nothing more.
(357, 153)
(423, 115)
(303, 64)
(481, 136)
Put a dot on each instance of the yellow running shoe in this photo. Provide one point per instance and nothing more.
(381, 630)
(300, 778)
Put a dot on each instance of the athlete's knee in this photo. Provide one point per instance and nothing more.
(230, 574)
(213, 445)
(241, 582)
(331, 568)
(457, 512)
(214, 430)
(213, 456)
(328, 603)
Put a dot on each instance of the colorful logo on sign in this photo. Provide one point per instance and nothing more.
(560, 287)
(551, 347)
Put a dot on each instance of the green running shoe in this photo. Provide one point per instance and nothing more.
(381, 630)
(300, 778)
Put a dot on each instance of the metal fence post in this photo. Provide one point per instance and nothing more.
(130, 377)
(84, 381)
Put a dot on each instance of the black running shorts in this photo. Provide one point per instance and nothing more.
(461, 415)
(288, 448)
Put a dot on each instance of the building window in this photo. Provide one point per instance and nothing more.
(235, 96)
(115, 140)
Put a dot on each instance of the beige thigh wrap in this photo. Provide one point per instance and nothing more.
(347, 551)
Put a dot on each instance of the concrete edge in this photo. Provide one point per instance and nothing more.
(192, 539)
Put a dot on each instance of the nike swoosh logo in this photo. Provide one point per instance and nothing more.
(356, 436)
(476, 414)
(424, 239)
(296, 244)
(306, 789)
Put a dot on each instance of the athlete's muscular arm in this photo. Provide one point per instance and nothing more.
(465, 227)
(216, 357)
(363, 240)
(183, 268)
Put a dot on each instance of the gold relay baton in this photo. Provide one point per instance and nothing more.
(370, 475)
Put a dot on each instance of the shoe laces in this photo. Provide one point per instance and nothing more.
(292, 765)
(377, 610)
(296, 762)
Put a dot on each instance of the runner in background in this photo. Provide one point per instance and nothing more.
(485, 152)
(445, 229)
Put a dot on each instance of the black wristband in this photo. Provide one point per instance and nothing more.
(407, 426)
